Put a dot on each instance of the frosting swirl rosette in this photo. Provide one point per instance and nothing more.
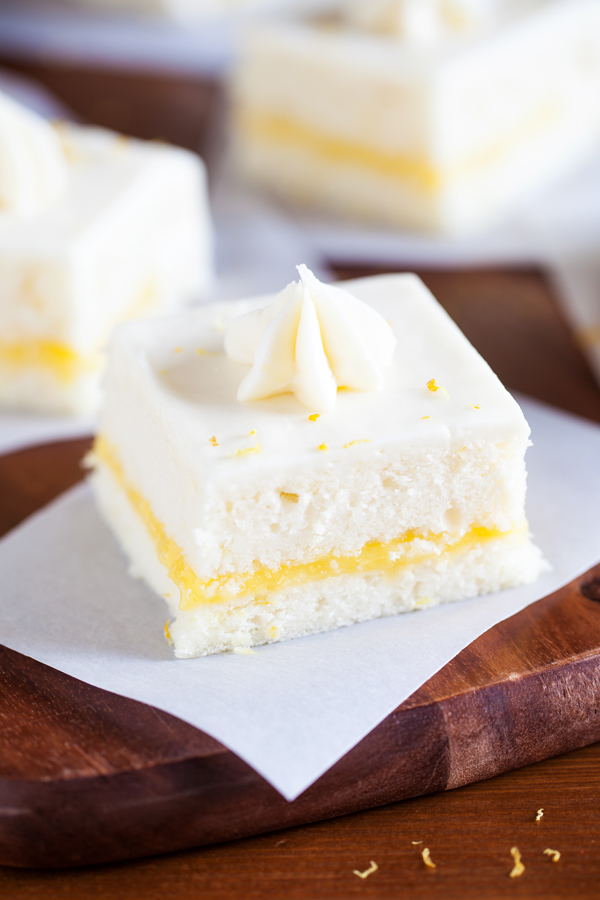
(311, 340)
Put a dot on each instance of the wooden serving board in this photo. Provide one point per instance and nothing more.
(87, 776)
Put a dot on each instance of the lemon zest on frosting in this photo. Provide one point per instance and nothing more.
(168, 632)
(213, 441)
(314, 417)
(323, 447)
(358, 441)
(388, 558)
(247, 451)
(436, 387)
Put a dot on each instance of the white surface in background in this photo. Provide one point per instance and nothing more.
(20, 430)
(128, 42)
(577, 285)
(291, 710)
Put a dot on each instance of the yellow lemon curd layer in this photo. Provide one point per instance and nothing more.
(285, 131)
(390, 557)
(58, 358)
(64, 363)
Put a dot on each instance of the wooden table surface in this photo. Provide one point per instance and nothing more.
(512, 319)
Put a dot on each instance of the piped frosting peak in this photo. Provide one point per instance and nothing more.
(33, 167)
(311, 340)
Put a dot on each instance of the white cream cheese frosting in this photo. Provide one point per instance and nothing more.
(33, 165)
(310, 341)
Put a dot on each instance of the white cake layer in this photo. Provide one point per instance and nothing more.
(320, 606)
(130, 236)
(446, 139)
(403, 459)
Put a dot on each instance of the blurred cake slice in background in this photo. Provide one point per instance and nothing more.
(435, 116)
(95, 228)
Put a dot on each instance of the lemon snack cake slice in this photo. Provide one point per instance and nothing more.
(282, 466)
(399, 117)
(95, 228)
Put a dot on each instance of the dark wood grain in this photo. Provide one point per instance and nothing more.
(150, 105)
(74, 760)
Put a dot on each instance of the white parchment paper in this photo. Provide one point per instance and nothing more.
(293, 709)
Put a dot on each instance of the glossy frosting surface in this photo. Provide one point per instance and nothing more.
(195, 385)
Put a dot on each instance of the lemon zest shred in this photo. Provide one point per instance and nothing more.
(427, 858)
(323, 447)
(168, 632)
(213, 441)
(425, 417)
(518, 868)
(372, 868)
(555, 854)
(358, 441)
(314, 417)
(246, 451)
(433, 386)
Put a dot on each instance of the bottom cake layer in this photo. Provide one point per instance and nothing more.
(72, 387)
(466, 570)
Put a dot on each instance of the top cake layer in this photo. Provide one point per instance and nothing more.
(194, 386)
